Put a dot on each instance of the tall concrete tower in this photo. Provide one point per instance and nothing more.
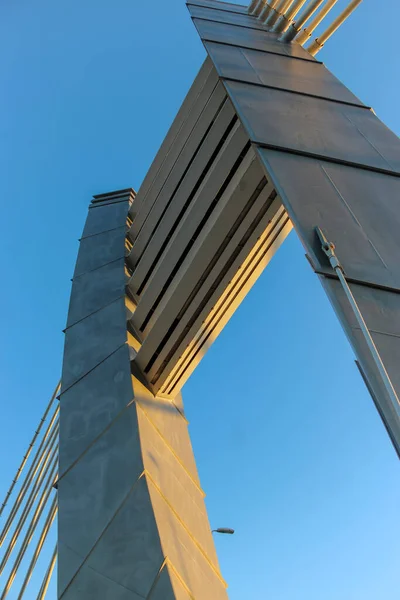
(267, 139)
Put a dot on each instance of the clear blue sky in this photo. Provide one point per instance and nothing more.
(290, 449)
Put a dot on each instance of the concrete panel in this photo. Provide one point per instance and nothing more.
(389, 350)
(173, 430)
(314, 126)
(92, 491)
(91, 405)
(95, 289)
(190, 563)
(147, 219)
(169, 587)
(176, 484)
(129, 551)
(273, 70)
(91, 585)
(71, 563)
(225, 17)
(96, 251)
(228, 6)
(174, 151)
(209, 293)
(249, 38)
(104, 218)
(381, 312)
(187, 358)
(178, 401)
(195, 174)
(380, 309)
(210, 187)
(92, 340)
(236, 196)
(357, 209)
(172, 133)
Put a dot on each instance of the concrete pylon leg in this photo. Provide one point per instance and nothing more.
(132, 520)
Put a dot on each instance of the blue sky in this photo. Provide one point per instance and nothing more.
(290, 449)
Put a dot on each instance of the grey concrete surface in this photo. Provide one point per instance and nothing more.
(335, 166)
(128, 488)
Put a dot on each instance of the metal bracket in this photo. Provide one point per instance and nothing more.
(329, 249)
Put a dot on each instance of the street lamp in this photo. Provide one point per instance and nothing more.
(223, 530)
